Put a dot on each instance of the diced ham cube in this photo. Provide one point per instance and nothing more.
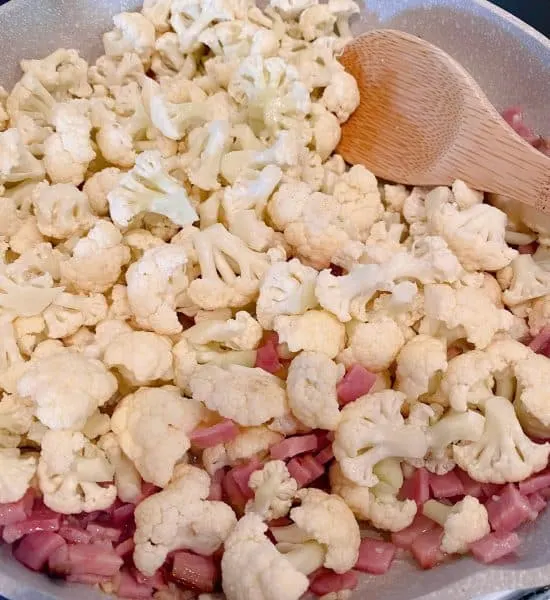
(101, 533)
(405, 538)
(471, 486)
(446, 486)
(91, 559)
(267, 356)
(123, 515)
(324, 438)
(305, 469)
(127, 587)
(537, 502)
(535, 483)
(417, 487)
(541, 342)
(126, 547)
(35, 549)
(242, 473)
(14, 512)
(74, 534)
(528, 248)
(426, 548)
(59, 561)
(494, 546)
(47, 521)
(375, 556)
(206, 437)
(216, 489)
(291, 446)
(356, 383)
(194, 571)
(508, 510)
(232, 492)
(325, 456)
(326, 581)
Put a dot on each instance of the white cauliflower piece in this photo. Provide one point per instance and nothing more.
(504, 453)
(539, 315)
(528, 281)
(61, 210)
(314, 331)
(421, 363)
(69, 312)
(239, 393)
(127, 478)
(180, 517)
(464, 523)
(154, 284)
(16, 417)
(274, 489)
(468, 308)
(311, 390)
(132, 33)
(16, 473)
(372, 429)
(253, 568)
(109, 72)
(70, 471)
(97, 259)
(148, 188)
(152, 427)
(97, 424)
(240, 333)
(374, 345)
(141, 357)
(532, 375)
(98, 186)
(341, 96)
(287, 288)
(67, 388)
(16, 161)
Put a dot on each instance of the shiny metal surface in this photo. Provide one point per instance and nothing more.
(510, 60)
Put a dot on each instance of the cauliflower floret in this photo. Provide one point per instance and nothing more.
(70, 471)
(314, 331)
(127, 479)
(16, 161)
(97, 259)
(230, 271)
(341, 96)
(372, 429)
(16, 416)
(154, 284)
(16, 472)
(67, 388)
(420, 365)
(141, 357)
(539, 315)
(327, 520)
(253, 568)
(532, 376)
(61, 210)
(69, 312)
(374, 345)
(475, 234)
(528, 281)
(274, 490)
(311, 390)
(180, 517)
(97, 424)
(69, 151)
(469, 309)
(109, 72)
(464, 523)
(504, 453)
(241, 333)
(287, 288)
(152, 427)
(239, 393)
(148, 188)
(132, 33)
(98, 186)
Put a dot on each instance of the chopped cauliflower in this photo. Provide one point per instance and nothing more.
(274, 489)
(16, 473)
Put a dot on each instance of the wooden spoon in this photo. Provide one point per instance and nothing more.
(423, 120)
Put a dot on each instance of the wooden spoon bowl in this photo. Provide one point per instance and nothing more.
(423, 120)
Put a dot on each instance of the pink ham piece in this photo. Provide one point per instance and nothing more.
(535, 483)
(123, 515)
(305, 469)
(495, 546)
(356, 383)
(74, 534)
(325, 456)
(291, 446)
(426, 548)
(471, 486)
(508, 510)
(537, 502)
(541, 342)
(216, 489)
(232, 493)
(126, 547)
(528, 248)
(446, 486)
(514, 117)
(197, 572)
(405, 538)
(267, 356)
(241, 476)
(206, 437)
(14, 512)
(34, 549)
(102, 533)
(416, 487)
(491, 489)
(326, 581)
(375, 556)
(43, 519)
(127, 587)
(91, 559)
